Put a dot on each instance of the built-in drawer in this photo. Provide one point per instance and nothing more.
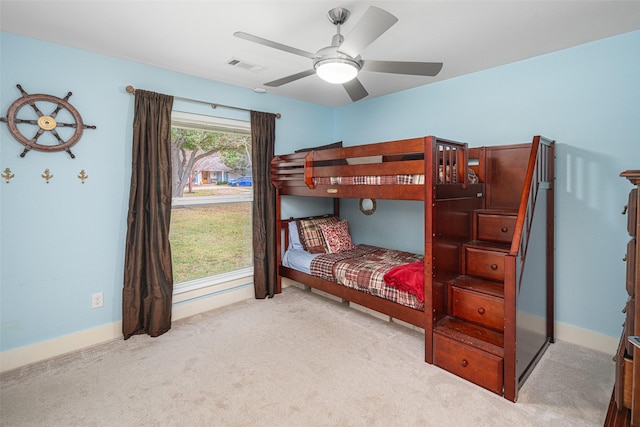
(495, 227)
(485, 263)
(483, 309)
(479, 367)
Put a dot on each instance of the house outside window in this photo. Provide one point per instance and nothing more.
(211, 227)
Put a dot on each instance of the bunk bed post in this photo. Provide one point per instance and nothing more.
(510, 380)
(462, 160)
(551, 245)
(429, 200)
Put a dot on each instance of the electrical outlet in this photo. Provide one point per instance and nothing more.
(97, 300)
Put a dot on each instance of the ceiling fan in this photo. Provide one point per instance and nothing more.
(340, 62)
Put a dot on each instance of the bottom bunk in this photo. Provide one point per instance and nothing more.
(384, 280)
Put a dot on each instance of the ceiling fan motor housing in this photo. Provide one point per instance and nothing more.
(331, 54)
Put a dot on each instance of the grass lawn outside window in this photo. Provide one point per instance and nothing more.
(210, 239)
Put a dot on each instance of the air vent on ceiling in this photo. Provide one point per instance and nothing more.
(240, 63)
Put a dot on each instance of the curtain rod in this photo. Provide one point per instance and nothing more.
(213, 105)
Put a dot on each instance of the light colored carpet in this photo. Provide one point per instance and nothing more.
(295, 360)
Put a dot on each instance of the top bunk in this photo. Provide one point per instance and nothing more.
(409, 169)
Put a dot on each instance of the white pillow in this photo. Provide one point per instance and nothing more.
(294, 237)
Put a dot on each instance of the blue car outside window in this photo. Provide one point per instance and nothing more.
(244, 181)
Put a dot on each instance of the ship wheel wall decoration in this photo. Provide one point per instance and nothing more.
(56, 131)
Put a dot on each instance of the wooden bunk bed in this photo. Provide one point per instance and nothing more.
(479, 223)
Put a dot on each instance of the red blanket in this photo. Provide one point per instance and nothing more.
(408, 277)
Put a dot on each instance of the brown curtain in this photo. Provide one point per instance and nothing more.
(148, 275)
(263, 136)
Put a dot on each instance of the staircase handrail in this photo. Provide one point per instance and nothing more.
(539, 174)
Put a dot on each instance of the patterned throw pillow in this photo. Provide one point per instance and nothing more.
(311, 236)
(337, 237)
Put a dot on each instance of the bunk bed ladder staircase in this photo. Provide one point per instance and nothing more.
(476, 339)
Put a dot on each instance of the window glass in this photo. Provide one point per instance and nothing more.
(211, 229)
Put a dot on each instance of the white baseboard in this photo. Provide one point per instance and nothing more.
(572, 334)
(22, 356)
(586, 338)
(183, 307)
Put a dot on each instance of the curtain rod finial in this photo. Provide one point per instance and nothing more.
(130, 89)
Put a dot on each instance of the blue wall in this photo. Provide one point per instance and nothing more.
(586, 98)
(64, 240)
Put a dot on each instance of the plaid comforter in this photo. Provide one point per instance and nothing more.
(363, 268)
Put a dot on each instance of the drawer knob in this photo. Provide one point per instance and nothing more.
(464, 363)
(504, 229)
(624, 258)
(494, 267)
(624, 211)
(481, 310)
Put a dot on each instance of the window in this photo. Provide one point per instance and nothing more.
(211, 228)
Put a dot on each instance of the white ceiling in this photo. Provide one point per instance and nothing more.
(196, 37)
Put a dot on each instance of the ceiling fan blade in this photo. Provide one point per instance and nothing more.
(371, 26)
(399, 67)
(291, 78)
(355, 89)
(273, 44)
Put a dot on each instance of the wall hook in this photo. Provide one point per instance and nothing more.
(83, 176)
(7, 175)
(47, 175)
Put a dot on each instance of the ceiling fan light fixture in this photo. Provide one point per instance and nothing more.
(337, 70)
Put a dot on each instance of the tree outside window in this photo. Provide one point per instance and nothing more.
(191, 148)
